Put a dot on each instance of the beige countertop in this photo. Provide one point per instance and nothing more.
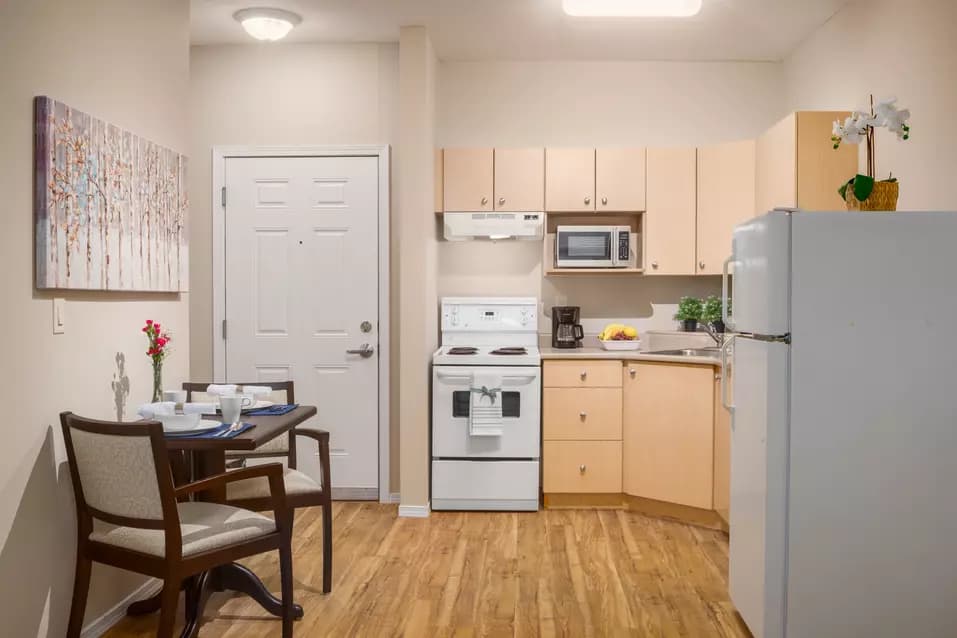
(621, 355)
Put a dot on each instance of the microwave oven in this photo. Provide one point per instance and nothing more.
(595, 247)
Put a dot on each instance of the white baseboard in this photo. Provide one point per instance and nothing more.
(100, 626)
(391, 498)
(414, 511)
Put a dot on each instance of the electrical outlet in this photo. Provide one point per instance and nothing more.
(59, 316)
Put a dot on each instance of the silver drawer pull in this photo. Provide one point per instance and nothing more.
(583, 415)
(582, 468)
(584, 375)
(632, 372)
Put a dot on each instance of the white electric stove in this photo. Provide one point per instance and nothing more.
(494, 337)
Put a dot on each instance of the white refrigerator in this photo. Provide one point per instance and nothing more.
(843, 393)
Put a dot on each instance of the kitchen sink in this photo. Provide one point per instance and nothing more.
(688, 352)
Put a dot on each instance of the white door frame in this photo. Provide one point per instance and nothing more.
(382, 153)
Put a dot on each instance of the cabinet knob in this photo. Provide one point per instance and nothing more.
(501, 200)
(582, 468)
(582, 415)
(484, 201)
(654, 264)
(583, 375)
(701, 265)
(604, 201)
(632, 372)
(587, 199)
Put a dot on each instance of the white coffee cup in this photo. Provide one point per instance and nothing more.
(176, 396)
(232, 407)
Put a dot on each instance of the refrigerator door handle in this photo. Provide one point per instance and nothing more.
(725, 399)
(726, 316)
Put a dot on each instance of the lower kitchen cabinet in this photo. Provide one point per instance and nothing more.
(668, 432)
(581, 467)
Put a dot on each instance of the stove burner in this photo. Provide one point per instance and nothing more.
(510, 350)
(463, 350)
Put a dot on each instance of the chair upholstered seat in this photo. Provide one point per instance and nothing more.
(204, 526)
(296, 483)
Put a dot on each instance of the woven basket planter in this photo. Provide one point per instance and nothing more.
(883, 197)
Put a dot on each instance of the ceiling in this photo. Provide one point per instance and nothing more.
(538, 29)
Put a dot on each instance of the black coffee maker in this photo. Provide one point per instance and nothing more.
(566, 331)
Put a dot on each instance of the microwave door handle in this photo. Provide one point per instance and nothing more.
(726, 317)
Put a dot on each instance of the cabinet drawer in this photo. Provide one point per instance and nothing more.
(581, 466)
(582, 414)
(582, 374)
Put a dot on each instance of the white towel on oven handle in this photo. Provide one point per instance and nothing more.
(485, 406)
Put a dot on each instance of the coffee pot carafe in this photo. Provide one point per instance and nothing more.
(567, 332)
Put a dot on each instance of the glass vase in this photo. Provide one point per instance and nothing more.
(157, 381)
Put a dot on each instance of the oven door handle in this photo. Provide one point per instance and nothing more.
(466, 379)
(522, 380)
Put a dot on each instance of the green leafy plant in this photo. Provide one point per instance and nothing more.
(711, 311)
(689, 309)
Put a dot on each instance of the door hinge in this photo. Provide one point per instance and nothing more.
(224, 330)
(222, 194)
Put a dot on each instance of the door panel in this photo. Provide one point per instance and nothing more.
(570, 180)
(520, 179)
(669, 226)
(468, 179)
(301, 277)
(725, 199)
(759, 427)
(620, 179)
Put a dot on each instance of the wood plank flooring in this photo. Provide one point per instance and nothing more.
(551, 573)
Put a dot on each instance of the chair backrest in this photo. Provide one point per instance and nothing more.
(282, 391)
(121, 472)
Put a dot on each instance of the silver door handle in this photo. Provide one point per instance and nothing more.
(365, 350)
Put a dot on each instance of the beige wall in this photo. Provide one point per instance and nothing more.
(125, 62)
(278, 94)
(890, 49)
(418, 246)
(593, 104)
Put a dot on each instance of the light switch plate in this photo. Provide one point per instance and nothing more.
(59, 315)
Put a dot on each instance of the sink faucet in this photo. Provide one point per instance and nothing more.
(718, 337)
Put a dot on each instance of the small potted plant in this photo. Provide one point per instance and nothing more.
(711, 313)
(689, 313)
(863, 192)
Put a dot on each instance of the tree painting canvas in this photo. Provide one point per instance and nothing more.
(110, 207)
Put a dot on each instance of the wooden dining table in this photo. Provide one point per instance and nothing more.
(193, 459)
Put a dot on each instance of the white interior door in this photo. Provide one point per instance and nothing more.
(302, 297)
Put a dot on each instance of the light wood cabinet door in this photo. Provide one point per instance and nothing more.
(668, 432)
(581, 414)
(468, 179)
(722, 454)
(439, 181)
(570, 180)
(581, 374)
(820, 168)
(619, 180)
(775, 175)
(581, 467)
(669, 224)
(520, 179)
(725, 199)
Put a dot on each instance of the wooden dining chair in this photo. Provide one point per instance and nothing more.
(301, 489)
(122, 481)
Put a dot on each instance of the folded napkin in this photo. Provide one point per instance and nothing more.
(222, 389)
(222, 432)
(149, 410)
(256, 390)
(274, 410)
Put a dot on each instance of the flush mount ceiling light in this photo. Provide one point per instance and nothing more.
(632, 8)
(267, 24)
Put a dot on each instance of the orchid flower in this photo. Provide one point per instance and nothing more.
(893, 118)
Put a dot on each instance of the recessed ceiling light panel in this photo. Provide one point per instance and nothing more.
(632, 8)
(267, 24)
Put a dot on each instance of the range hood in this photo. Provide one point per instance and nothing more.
(479, 225)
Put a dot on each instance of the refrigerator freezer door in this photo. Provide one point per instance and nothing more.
(759, 433)
(762, 275)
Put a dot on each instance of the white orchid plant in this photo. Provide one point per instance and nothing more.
(859, 127)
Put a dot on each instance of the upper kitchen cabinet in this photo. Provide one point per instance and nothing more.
(725, 199)
(520, 179)
(620, 179)
(468, 179)
(570, 180)
(669, 224)
(797, 167)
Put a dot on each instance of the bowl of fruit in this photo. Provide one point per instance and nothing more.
(618, 336)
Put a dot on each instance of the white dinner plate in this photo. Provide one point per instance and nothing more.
(203, 426)
(259, 405)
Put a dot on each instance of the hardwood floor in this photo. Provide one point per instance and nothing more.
(555, 572)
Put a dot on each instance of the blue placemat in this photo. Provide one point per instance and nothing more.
(274, 410)
(222, 432)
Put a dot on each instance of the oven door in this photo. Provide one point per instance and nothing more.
(521, 414)
(585, 247)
